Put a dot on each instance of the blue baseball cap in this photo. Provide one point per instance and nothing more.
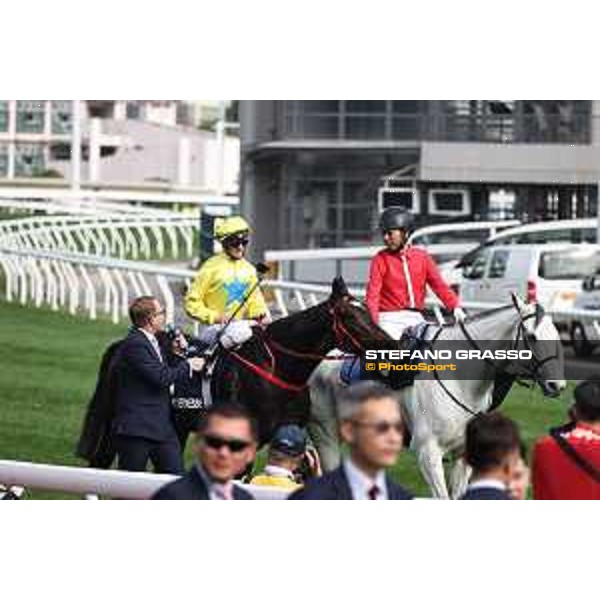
(289, 439)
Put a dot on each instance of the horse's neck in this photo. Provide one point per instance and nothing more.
(304, 331)
(495, 327)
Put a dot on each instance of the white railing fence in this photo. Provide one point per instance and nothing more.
(94, 483)
(80, 283)
(128, 235)
(86, 284)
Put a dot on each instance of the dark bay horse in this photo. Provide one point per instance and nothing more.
(268, 374)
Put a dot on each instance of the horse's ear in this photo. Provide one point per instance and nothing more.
(339, 289)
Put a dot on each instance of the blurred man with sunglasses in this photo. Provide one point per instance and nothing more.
(371, 425)
(225, 446)
(224, 282)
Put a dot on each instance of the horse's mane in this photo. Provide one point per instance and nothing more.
(290, 327)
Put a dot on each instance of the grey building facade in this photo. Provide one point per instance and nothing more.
(315, 173)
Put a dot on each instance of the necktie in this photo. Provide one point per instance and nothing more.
(373, 492)
(223, 491)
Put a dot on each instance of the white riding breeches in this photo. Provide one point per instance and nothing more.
(394, 323)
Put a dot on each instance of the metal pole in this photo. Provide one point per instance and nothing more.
(76, 147)
(598, 213)
(220, 134)
(94, 142)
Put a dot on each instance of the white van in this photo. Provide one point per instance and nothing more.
(551, 274)
(450, 241)
(570, 231)
(584, 330)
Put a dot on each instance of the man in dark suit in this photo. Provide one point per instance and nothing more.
(371, 424)
(225, 446)
(142, 425)
(493, 451)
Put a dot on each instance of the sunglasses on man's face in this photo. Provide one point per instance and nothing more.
(236, 242)
(382, 427)
(216, 443)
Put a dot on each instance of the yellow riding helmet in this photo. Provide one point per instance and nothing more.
(230, 226)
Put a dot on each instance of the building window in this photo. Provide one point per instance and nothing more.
(512, 121)
(29, 160)
(62, 116)
(3, 115)
(30, 116)
(556, 121)
(3, 160)
(331, 212)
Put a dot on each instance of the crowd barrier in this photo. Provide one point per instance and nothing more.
(99, 483)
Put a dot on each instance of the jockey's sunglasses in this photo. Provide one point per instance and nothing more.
(216, 443)
(382, 427)
(236, 241)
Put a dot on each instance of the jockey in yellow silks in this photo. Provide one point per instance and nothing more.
(225, 280)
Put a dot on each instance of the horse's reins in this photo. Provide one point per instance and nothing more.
(339, 330)
(443, 385)
(521, 335)
(531, 373)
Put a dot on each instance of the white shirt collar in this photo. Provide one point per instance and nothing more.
(488, 483)
(209, 482)
(360, 483)
(151, 337)
(154, 342)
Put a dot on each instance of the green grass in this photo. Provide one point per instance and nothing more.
(48, 368)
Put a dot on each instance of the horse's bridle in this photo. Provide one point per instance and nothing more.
(526, 374)
(340, 331)
(340, 334)
(521, 378)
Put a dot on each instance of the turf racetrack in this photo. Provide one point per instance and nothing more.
(48, 368)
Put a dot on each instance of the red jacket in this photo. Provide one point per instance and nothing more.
(556, 476)
(388, 291)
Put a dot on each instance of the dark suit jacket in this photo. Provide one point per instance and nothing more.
(142, 389)
(96, 444)
(486, 493)
(334, 486)
(192, 487)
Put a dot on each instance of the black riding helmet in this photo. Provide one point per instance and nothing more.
(396, 217)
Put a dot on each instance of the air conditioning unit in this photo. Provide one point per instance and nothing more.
(391, 196)
(449, 202)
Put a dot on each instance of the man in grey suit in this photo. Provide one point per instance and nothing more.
(371, 425)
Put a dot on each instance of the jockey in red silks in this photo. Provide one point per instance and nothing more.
(399, 275)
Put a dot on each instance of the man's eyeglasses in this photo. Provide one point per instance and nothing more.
(236, 242)
(216, 443)
(382, 427)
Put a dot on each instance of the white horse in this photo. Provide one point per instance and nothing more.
(437, 412)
